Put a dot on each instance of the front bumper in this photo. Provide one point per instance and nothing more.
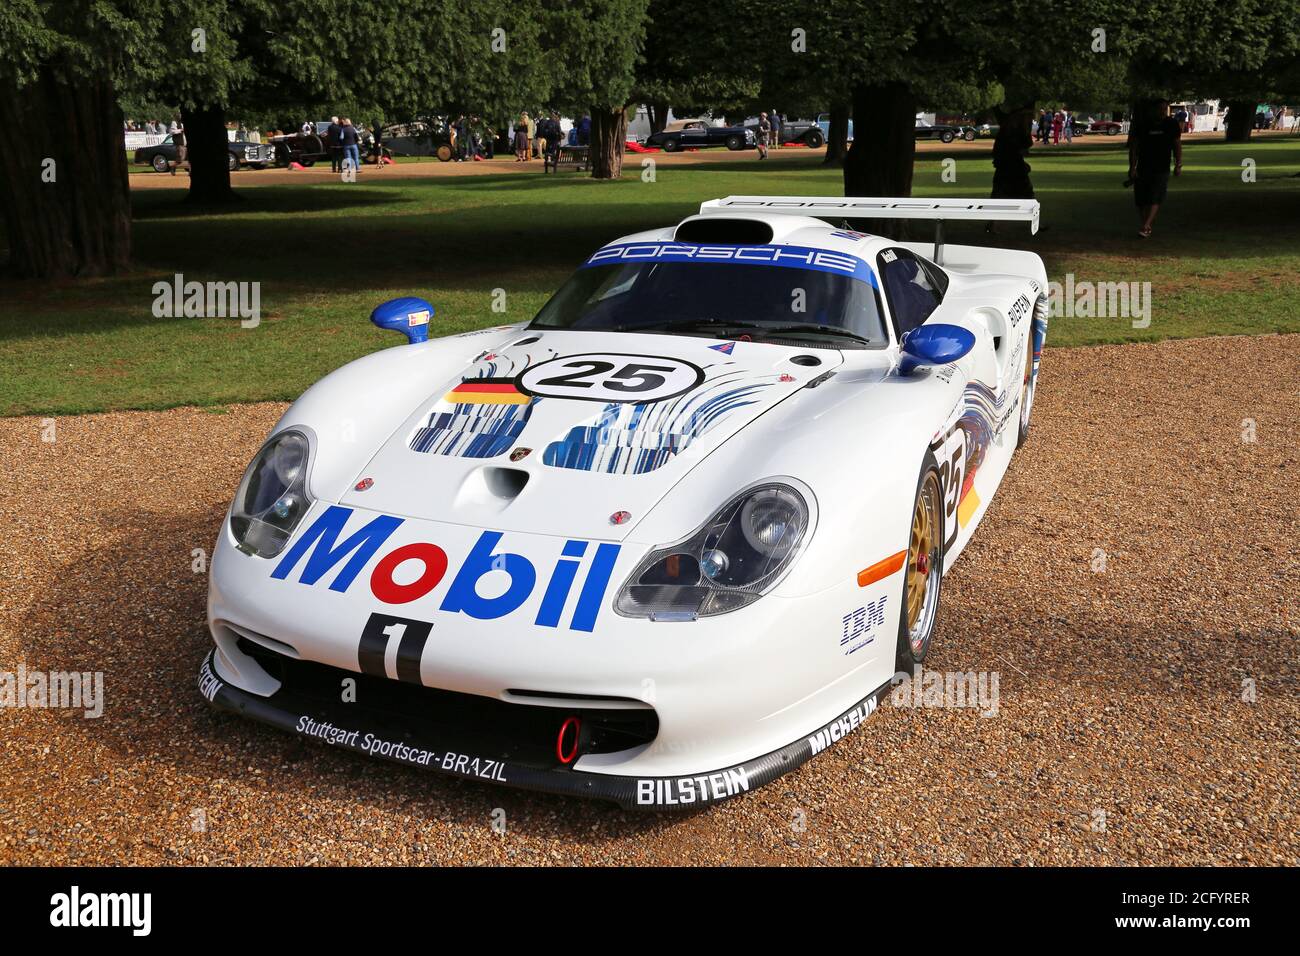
(468, 751)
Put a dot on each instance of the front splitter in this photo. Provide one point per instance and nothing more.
(342, 725)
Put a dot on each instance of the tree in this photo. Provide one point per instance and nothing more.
(63, 183)
(599, 42)
(1244, 53)
(308, 59)
(688, 62)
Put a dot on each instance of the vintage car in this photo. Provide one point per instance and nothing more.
(663, 543)
(242, 153)
(305, 149)
(824, 124)
(803, 132)
(943, 132)
(1108, 127)
(699, 134)
(422, 138)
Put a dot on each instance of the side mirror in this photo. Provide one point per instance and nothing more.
(409, 315)
(936, 344)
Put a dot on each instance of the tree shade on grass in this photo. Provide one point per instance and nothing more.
(1222, 262)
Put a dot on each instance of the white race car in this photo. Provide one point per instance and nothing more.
(659, 545)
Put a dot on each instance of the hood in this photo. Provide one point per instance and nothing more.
(558, 431)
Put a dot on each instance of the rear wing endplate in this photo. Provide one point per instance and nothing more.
(937, 211)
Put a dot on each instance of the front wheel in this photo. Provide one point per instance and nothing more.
(159, 163)
(1112, 131)
(814, 139)
(734, 143)
(923, 572)
(232, 162)
(443, 152)
(946, 136)
(1027, 392)
(672, 145)
(968, 136)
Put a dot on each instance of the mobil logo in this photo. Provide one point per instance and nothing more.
(324, 546)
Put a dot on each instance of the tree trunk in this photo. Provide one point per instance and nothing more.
(1013, 141)
(879, 163)
(657, 113)
(209, 155)
(64, 195)
(837, 137)
(1241, 120)
(608, 140)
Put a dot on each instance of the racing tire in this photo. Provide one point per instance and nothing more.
(159, 163)
(734, 143)
(947, 136)
(922, 571)
(672, 145)
(814, 139)
(968, 136)
(232, 163)
(1027, 392)
(443, 152)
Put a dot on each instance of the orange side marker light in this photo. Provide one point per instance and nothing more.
(881, 569)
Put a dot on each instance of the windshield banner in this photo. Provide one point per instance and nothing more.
(791, 257)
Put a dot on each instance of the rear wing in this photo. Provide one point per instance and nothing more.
(937, 211)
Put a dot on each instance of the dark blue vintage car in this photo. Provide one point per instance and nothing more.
(257, 155)
(698, 134)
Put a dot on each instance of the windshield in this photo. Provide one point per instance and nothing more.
(697, 296)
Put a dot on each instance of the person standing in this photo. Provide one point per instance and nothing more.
(1057, 122)
(178, 140)
(464, 139)
(350, 141)
(762, 133)
(1151, 144)
(775, 117)
(334, 143)
(521, 139)
(1067, 128)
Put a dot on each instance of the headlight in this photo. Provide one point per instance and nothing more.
(734, 559)
(273, 496)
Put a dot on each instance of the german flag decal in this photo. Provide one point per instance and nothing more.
(486, 391)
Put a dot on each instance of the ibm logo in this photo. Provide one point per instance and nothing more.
(858, 624)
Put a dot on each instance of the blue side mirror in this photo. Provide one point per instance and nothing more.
(409, 315)
(934, 345)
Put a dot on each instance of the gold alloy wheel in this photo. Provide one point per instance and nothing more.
(918, 560)
(924, 566)
(1026, 391)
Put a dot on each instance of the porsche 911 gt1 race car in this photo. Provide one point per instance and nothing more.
(659, 545)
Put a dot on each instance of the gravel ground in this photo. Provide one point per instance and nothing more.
(1137, 567)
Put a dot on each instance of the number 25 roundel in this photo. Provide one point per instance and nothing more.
(601, 377)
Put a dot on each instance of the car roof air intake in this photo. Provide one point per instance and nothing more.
(728, 231)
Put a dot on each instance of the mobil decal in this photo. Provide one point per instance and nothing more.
(330, 546)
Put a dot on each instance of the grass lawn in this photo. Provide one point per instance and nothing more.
(1224, 260)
